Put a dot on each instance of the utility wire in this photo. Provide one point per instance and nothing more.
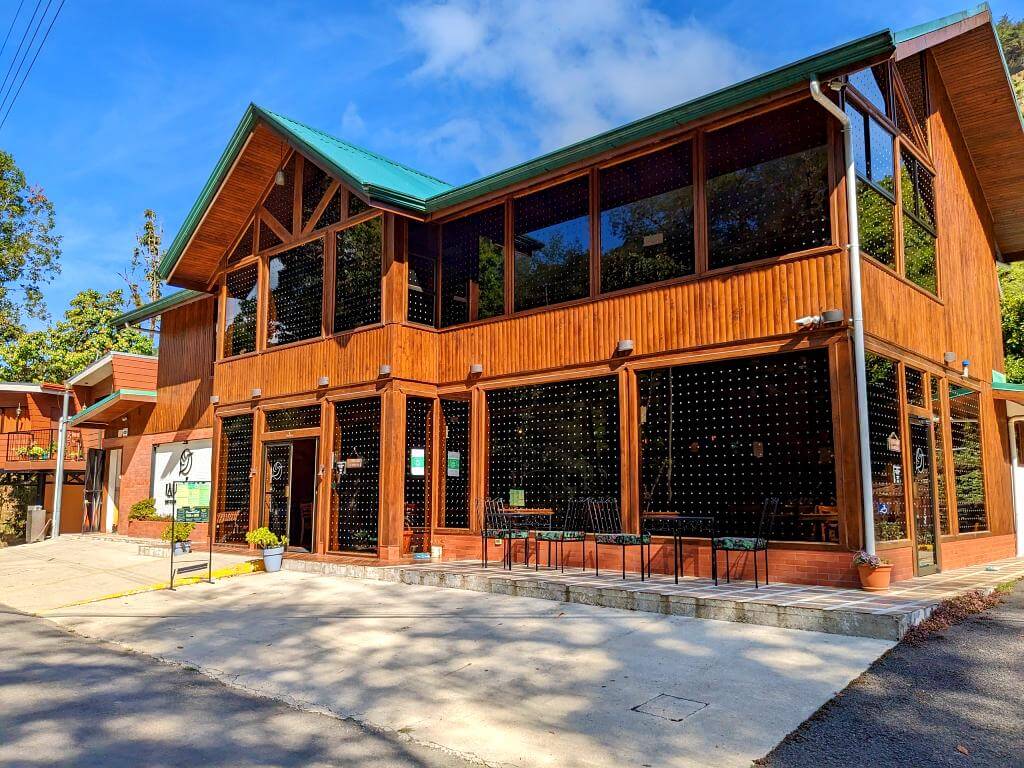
(11, 28)
(31, 64)
(28, 50)
(20, 44)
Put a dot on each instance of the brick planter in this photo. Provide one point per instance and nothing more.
(151, 529)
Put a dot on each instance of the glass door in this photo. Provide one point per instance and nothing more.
(922, 491)
(277, 487)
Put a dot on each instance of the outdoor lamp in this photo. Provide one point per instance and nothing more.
(967, 368)
(323, 381)
(476, 369)
(832, 316)
(949, 357)
(624, 346)
(279, 178)
(214, 399)
(384, 370)
(257, 392)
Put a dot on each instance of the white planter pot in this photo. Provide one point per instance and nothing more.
(272, 559)
(182, 547)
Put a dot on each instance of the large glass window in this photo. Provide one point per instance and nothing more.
(717, 438)
(285, 419)
(240, 311)
(767, 186)
(886, 448)
(357, 274)
(455, 455)
(552, 443)
(873, 85)
(233, 482)
(940, 456)
(647, 219)
(876, 191)
(968, 467)
(295, 293)
(418, 515)
(355, 476)
(553, 245)
(423, 248)
(917, 188)
(473, 267)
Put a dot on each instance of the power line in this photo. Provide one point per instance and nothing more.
(11, 28)
(32, 64)
(20, 44)
(28, 50)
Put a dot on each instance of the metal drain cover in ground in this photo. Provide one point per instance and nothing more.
(672, 708)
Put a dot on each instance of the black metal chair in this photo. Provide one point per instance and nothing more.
(606, 526)
(570, 528)
(496, 526)
(752, 544)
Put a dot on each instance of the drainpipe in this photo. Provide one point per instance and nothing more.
(58, 486)
(859, 362)
(1015, 484)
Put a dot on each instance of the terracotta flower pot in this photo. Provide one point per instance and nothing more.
(875, 579)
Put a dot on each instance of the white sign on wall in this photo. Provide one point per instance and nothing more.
(172, 462)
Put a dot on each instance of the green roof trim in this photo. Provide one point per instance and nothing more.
(99, 405)
(157, 307)
(391, 183)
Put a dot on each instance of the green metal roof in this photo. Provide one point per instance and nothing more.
(99, 405)
(154, 308)
(393, 183)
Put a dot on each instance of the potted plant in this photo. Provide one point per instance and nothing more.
(875, 572)
(272, 546)
(177, 534)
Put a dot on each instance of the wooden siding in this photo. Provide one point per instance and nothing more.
(131, 372)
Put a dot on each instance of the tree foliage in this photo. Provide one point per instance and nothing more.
(81, 337)
(1011, 35)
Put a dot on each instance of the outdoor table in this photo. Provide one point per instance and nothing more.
(527, 518)
(676, 523)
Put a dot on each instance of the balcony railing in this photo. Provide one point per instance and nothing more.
(41, 445)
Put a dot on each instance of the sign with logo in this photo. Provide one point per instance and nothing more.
(454, 463)
(417, 461)
(176, 462)
(920, 460)
(192, 500)
(516, 497)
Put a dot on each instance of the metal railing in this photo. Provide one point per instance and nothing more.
(41, 445)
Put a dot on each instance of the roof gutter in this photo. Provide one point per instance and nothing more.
(857, 302)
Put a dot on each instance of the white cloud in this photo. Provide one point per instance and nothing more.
(352, 125)
(582, 65)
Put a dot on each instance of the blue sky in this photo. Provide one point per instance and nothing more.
(131, 103)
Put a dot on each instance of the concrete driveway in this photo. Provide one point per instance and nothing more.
(69, 569)
(503, 680)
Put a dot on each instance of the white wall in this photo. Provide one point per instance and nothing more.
(168, 468)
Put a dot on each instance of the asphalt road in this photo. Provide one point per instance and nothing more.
(70, 701)
(953, 700)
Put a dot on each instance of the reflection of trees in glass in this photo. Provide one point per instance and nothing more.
(875, 224)
(357, 275)
(884, 421)
(968, 470)
(473, 267)
(240, 312)
(917, 188)
(919, 255)
(296, 294)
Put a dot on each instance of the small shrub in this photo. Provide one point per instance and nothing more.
(264, 538)
(181, 532)
(143, 510)
(873, 561)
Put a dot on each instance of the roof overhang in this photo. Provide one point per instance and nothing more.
(970, 60)
(25, 387)
(102, 369)
(154, 308)
(113, 406)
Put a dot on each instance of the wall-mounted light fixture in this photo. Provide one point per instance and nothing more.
(384, 371)
(832, 316)
(214, 399)
(967, 368)
(807, 322)
(949, 357)
(624, 346)
(257, 392)
(323, 381)
(476, 369)
(279, 178)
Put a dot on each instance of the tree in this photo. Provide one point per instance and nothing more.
(1011, 36)
(66, 347)
(29, 249)
(144, 267)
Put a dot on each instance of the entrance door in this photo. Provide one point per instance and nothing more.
(289, 490)
(922, 490)
(94, 462)
(113, 489)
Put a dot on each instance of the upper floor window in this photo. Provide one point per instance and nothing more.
(917, 189)
(473, 267)
(295, 293)
(647, 219)
(767, 186)
(423, 247)
(552, 242)
(240, 316)
(357, 275)
(873, 84)
(876, 193)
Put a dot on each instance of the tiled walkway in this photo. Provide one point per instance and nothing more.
(823, 609)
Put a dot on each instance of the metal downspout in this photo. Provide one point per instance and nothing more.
(859, 360)
(58, 486)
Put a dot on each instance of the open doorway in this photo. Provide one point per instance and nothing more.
(289, 490)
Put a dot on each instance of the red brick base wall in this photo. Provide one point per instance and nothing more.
(982, 549)
(152, 529)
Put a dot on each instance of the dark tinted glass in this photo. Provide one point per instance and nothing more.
(355, 476)
(314, 186)
(875, 222)
(455, 454)
(303, 417)
(233, 486)
(244, 246)
(295, 292)
(281, 198)
(915, 386)
(552, 245)
(423, 247)
(873, 85)
(919, 255)
(886, 449)
(767, 188)
(357, 275)
(240, 312)
(419, 417)
(968, 469)
(473, 267)
(647, 219)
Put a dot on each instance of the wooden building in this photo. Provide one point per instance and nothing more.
(376, 351)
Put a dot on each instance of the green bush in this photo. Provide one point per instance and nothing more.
(143, 510)
(181, 532)
(264, 538)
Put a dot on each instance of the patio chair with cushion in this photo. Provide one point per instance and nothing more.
(496, 526)
(606, 526)
(752, 544)
(570, 527)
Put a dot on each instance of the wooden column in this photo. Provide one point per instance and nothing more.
(395, 271)
(392, 473)
(477, 457)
